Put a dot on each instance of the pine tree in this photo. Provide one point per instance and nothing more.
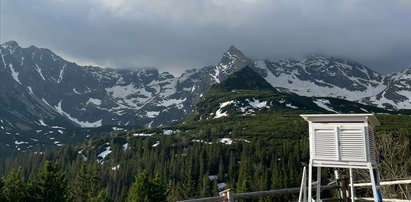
(173, 191)
(95, 179)
(144, 189)
(102, 196)
(157, 189)
(50, 184)
(188, 186)
(140, 189)
(80, 188)
(2, 198)
(86, 183)
(14, 187)
(245, 174)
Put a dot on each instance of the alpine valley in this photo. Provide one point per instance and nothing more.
(46, 100)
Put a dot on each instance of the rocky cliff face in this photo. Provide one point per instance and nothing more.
(92, 96)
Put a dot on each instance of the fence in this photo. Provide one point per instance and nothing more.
(229, 196)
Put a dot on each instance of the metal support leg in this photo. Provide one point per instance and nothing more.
(318, 184)
(303, 186)
(352, 185)
(375, 184)
(374, 188)
(310, 180)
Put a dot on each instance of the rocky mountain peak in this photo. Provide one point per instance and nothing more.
(10, 44)
(235, 51)
(244, 79)
(233, 54)
(232, 61)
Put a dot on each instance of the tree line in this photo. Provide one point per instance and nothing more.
(186, 169)
(179, 168)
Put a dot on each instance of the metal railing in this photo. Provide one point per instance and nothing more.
(229, 196)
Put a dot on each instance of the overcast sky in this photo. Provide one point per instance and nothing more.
(174, 35)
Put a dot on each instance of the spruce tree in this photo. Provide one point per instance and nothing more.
(157, 189)
(245, 176)
(86, 183)
(188, 184)
(1, 189)
(80, 188)
(173, 191)
(102, 196)
(145, 190)
(50, 184)
(140, 189)
(14, 187)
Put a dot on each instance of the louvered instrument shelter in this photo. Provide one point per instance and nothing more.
(342, 141)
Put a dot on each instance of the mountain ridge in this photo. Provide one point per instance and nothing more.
(71, 95)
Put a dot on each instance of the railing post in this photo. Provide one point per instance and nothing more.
(228, 194)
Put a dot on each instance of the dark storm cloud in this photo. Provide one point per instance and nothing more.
(174, 35)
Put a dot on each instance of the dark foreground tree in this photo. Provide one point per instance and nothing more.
(102, 196)
(144, 189)
(50, 184)
(86, 183)
(14, 187)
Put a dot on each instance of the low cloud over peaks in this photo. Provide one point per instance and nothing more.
(176, 35)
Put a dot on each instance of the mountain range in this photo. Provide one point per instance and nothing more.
(43, 95)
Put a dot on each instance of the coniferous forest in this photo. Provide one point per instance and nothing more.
(191, 164)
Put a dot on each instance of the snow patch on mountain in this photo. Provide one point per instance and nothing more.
(291, 106)
(125, 146)
(201, 141)
(84, 124)
(14, 74)
(323, 103)
(143, 134)
(42, 123)
(61, 73)
(103, 155)
(125, 93)
(177, 102)
(221, 186)
(2, 59)
(255, 103)
(39, 71)
(216, 74)
(226, 140)
(302, 78)
(156, 144)
(115, 167)
(186, 75)
(94, 101)
(76, 92)
(169, 87)
(30, 90)
(20, 142)
(152, 114)
(219, 113)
